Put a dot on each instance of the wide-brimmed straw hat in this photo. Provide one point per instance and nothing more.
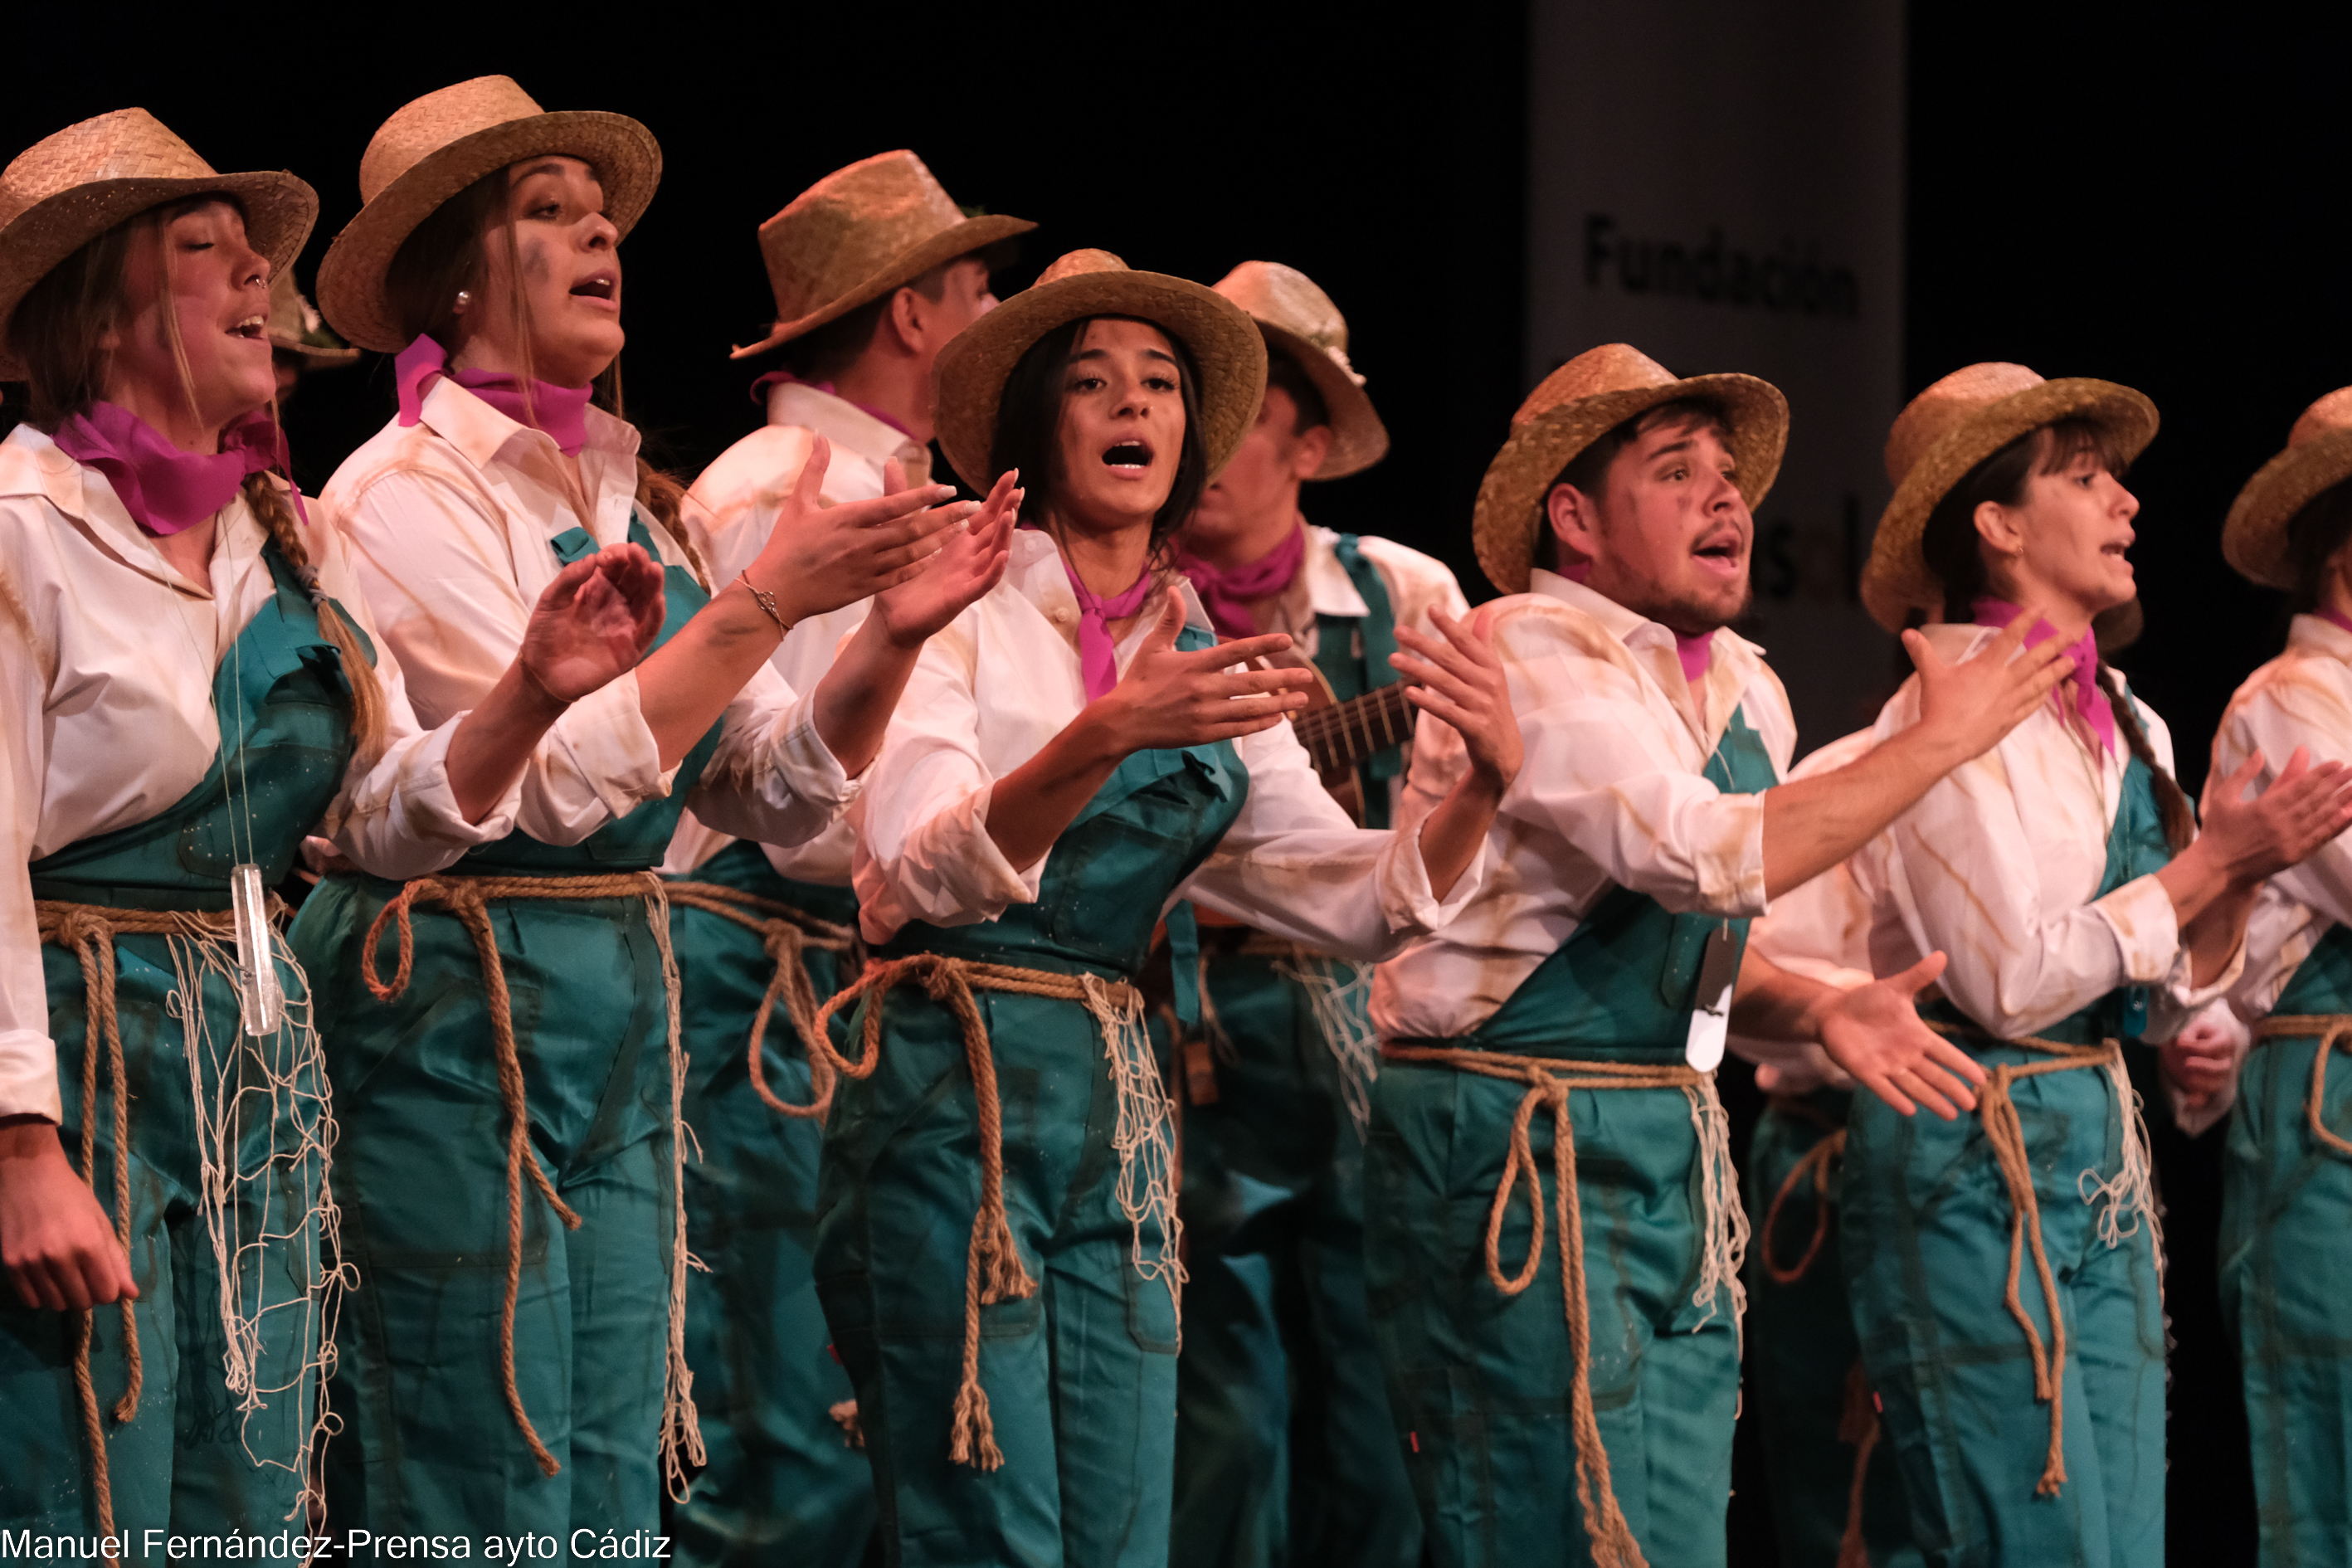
(859, 233)
(2318, 457)
(66, 190)
(1582, 401)
(434, 148)
(1300, 320)
(1951, 427)
(968, 378)
(295, 327)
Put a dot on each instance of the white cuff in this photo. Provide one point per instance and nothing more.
(28, 1076)
(2148, 936)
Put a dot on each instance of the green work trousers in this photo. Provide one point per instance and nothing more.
(1286, 1452)
(1080, 1376)
(1480, 1381)
(1802, 1353)
(421, 1169)
(782, 1482)
(1925, 1227)
(2287, 1289)
(186, 1462)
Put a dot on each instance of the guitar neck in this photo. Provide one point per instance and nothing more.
(1344, 735)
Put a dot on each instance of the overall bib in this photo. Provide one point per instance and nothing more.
(195, 1455)
(1485, 1383)
(1079, 1374)
(2287, 1208)
(783, 1481)
(1804, 1364)
(1926, 1226)
(1284, 1448)
(434, 1441)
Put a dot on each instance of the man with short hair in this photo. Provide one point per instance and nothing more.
(874, 270)
(1284, 1450)
(1563, 1364)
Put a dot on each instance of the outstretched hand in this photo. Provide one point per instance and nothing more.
(593, 623)
(969, 564)
(1874, 1032)
(1972, 705)
(819, 557)
(1170, 699)
(2253, 839)
(1459, 678)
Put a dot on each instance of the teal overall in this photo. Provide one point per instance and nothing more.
(1483, 1383)
(1284, 1448)
(1926, 1223)
(2286, 1209)
(1805, 1382)
(782, 1482)
(1079, 1374)
(431, 1442)
(189, 1460)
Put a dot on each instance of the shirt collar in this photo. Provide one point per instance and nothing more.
(1035, 572)
(1330, 590)
(839, 421)
(2319, 635)
(481, 434)
(1732, 666)
(33, 465)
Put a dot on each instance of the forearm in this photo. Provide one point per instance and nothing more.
(686, 683)
(1451, 834)
(495, 741)
(1811, 824)
(1029, 807)
(2214, 935)
(1774, 1004)
(2195, 882)
(860, 691)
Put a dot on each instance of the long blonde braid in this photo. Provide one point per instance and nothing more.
(271, 508)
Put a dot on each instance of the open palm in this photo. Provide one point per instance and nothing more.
(594, 622)
(971, 564)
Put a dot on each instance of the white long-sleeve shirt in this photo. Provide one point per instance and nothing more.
(1613, 793)
(450, 521)
(108, 658)
(1998, 865)
(1003, 679)
(731, 530)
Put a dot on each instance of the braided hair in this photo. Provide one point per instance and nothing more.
(1953, 553)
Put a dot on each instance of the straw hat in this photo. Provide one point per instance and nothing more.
(295, 327)
(66, 190)
(434, 148)
(1582, 401)
(859, 233)
(1300, 320)
(968, 378)
(1951, 427)
(2318, 456)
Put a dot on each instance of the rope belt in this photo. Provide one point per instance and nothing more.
(1857, 1425)
(1548, 1081)
(786, 933)
(88, 932)
(2335, 1032)
(1813, 1165)
(2006, 1135)
(467, 899)
(992, 1267)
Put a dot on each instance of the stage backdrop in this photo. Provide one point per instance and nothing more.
(1721, 185)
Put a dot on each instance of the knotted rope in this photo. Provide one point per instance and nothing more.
(467, 899)
(2129, 1189)
(2335, 1032)
(1548, 1081)
(1857, 1425)
(992, 1267)
(1813, 1165)
(785, 933)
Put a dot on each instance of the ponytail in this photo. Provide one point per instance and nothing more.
(271, 509)
(2172, 807)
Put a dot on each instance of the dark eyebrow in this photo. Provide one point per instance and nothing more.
(549, 167)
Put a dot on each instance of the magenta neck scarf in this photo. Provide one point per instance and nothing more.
(2090, 701)
(1098, 659)
(2324, 614)
(783, 377)
(1227, 591)
(561, 411)
(165, 489)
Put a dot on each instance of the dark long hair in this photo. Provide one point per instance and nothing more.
(1029, 421)
(1955, 553)
(2313, 535)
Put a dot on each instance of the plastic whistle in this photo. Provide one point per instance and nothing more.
(259, 1001)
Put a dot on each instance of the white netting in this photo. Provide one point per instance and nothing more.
(1146, 1135)
(1340, 994)
(1724, 1243)
(2131, 1195)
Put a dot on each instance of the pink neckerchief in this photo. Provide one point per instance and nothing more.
(784, 377)
(162, 487)
(1097, 656)
(1694, 653)
(1226, 591)
(560, 411)
(2333, 618)
(2090, 703)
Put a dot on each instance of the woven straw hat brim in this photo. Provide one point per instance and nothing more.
(1896, 579)
(320, 358)
(350, 280)
(2253, 539)
(968, 378)
(972, 234)
(1509, 516)
(279, 210)
(1359, 439)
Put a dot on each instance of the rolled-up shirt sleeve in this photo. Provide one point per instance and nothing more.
(28, 1058)
(772, 778)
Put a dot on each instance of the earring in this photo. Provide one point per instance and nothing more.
(464, 298)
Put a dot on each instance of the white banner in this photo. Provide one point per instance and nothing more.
(1721, 184)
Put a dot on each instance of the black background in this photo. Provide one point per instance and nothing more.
(2089, 193)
